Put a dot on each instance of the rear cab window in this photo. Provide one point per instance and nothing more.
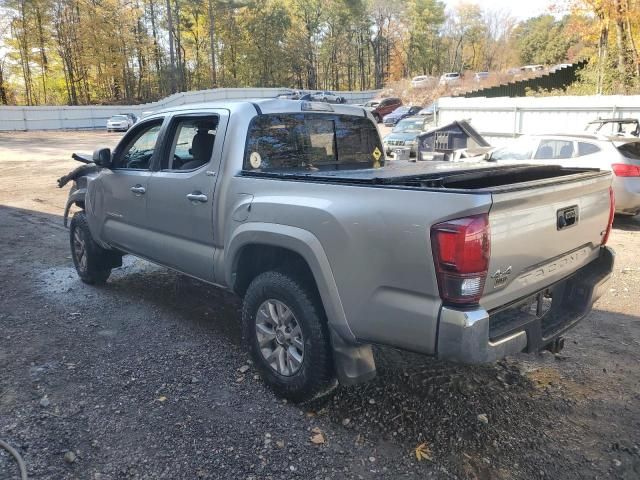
(310, 142)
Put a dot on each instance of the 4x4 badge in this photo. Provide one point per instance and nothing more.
(500, 278)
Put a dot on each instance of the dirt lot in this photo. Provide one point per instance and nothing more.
(139, 379)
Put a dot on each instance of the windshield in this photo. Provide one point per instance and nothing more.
(520, 149)
(401, 110)
(409, 125)
(119, 117)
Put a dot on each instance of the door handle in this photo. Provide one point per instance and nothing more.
(197, 197)
(138, 190)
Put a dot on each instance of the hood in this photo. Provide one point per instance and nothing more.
(405, 136)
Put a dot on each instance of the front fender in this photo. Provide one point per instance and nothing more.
(305, 244)
(76, 196)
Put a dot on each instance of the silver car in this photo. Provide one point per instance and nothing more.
(121, 122)
(621, 155)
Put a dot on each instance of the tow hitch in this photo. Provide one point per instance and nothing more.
(556, 346)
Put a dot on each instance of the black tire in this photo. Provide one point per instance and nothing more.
(93, 263)
(316, 375)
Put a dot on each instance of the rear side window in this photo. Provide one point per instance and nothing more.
(630, 150)
(587, 149)
(554, 149)
(311, 142)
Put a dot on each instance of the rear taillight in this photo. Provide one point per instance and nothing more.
(461, 251)
(612, 212)
(625, 170)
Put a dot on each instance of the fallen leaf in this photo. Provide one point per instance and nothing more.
(162, 399)
(423, 452)
(318, 437)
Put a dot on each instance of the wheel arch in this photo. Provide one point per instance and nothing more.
(75, 198)
(256, 247)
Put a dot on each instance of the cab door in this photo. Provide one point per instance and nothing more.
(117, 198)
(181, 193)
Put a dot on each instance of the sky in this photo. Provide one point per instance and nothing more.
(521, 9)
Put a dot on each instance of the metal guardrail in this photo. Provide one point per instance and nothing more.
(95, 116)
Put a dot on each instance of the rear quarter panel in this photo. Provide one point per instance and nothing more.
(377, 241)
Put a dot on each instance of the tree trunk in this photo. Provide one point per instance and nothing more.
(3, 90)
(44, 64)
(212, 44)
(172, 52)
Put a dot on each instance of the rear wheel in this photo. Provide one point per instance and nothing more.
(93, 263)
(287, 335)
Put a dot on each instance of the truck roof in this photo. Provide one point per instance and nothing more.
(270, 105)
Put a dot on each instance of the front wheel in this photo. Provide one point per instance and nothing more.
(93, 263)
(286, 331)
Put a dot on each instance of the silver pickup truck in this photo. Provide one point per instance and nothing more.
(292, 206)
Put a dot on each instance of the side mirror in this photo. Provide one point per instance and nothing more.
(102, 157)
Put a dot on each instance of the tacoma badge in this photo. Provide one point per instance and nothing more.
(500, 278)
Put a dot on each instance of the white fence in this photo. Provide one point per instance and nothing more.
(95, 116)
(500, 118)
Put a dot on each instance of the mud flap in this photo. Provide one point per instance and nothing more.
(353, 363)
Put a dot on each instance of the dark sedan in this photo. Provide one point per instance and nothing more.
(399, 113)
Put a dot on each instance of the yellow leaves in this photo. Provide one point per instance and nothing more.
(423, 452)
(318, 437)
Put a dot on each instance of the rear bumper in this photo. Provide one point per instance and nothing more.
(478, 336)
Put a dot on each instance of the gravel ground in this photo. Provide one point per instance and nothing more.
(146, 377)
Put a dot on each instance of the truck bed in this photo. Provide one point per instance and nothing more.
(459, 177)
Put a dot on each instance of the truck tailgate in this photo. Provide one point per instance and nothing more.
(540, 234)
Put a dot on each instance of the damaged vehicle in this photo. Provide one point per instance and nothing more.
(292, 206)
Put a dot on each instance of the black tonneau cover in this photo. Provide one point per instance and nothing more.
(462, 176)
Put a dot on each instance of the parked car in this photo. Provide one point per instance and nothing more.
(291, 95)
(404, 134)
(479, 76)
(532, 68)
(399, 113)
(451, 78)
(121, 122)
(421, 81)
(386, 106)
(430, 110)
(328, 97)
(620, 155)
(625, 127)
(371, 104)
(331, 250)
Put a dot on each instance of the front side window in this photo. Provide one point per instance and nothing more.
(310, 142)
(554, 150)
(139, 149)
(191, 143)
